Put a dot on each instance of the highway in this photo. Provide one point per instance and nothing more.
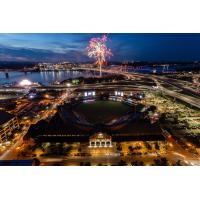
(10, 152)
(185, 98)
(179, 84)
(178, 152)
(194, 101)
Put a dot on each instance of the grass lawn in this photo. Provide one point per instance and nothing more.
(102, 111)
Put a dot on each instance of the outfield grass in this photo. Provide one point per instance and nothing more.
(102, 111)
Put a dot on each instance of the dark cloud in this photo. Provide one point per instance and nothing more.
(127, 46)
(37, 55)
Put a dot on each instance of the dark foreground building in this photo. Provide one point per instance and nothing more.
(68, 126)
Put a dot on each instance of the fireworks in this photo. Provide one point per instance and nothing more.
(98, 50)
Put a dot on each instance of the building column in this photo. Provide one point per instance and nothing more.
(106, 143)
(110, 143)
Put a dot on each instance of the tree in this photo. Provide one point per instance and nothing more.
(161, 162)
(164, 162)
(152, 108)
(87, 164)
(148, 146)
(137, 163)
(99, 164)
(141, 163)
(178, 163)
(36, 162)
(157, 146)
(119, 148)
(122, 163)
(130, 148)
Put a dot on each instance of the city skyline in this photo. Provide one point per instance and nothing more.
(49, 47)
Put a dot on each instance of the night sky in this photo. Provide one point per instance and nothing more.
(125, 47)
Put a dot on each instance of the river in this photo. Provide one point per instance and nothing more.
(45, 77)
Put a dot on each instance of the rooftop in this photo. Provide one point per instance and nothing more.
(5, 117)
(100, 135)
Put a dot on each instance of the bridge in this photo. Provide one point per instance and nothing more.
(30, 69)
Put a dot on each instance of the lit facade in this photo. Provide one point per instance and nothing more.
(100, 140)
(8, 124)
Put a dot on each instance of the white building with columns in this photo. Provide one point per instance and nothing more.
(100, 140)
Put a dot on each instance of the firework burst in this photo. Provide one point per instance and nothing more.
(98, 50)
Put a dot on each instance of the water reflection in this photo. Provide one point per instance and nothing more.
(45, 77)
